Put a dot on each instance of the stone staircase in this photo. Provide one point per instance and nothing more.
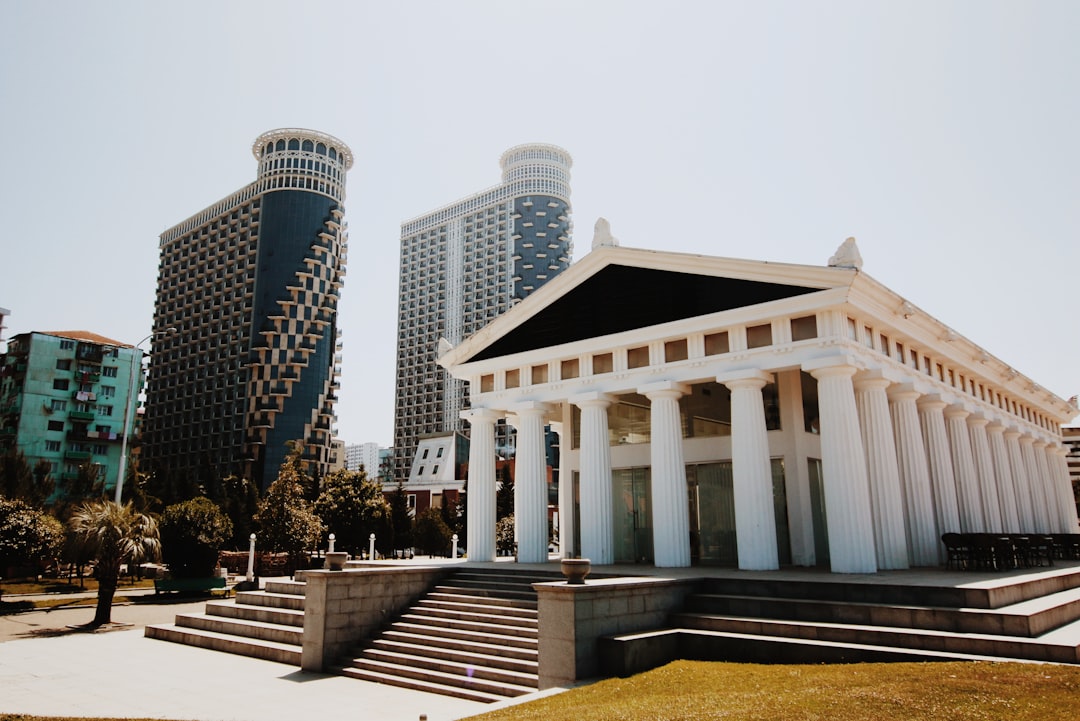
(1036, 619)
(474, 636)
(266, 624)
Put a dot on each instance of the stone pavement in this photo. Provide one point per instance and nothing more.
(48, 670)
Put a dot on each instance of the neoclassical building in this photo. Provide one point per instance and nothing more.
(753, 414)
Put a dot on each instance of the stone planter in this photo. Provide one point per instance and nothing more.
(575, 570)
(335, 560)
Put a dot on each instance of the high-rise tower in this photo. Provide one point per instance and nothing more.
(251, 286)
(463, 265)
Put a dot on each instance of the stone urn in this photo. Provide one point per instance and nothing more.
(335, 560)
(575, 570)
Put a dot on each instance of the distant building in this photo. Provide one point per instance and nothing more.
(461, 267)
(64, 396)
(363, 455)
(251, 286)
(4, 313)
(436, 478)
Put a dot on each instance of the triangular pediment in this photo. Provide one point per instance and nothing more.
(623, 296)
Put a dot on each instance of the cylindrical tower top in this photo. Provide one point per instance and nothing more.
(534, 160)
(303, 159)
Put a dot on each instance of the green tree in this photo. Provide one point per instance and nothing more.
(504, 496)
(85, 485)
(19, 480)
(192, 533)
(28, 536)
(353, 507)
(431, 535)
(239, 499)
(286, 520)
(112, 535)
(400, 518)
(504, 535)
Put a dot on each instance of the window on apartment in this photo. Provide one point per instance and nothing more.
(63, 364)
(100, 449)
(67, 345)
(60, 384)
(108, 391)
(52, 446)
(109, 371)
(104, 410)
(58, 405)
(56, 425)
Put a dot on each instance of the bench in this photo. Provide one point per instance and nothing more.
(188, 585)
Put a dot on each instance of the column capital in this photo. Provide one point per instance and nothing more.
(1011, 433)
(932, 402)
(474, 415)
(870, 379)
(751, 377)
(592, 398)
(831, 365)
(664, 389)
(527, 407)
(903, 392)
(956, 410)
(976, 420)
(1027, 439)
(1040, 443)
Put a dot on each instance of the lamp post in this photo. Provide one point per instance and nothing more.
(136, 352)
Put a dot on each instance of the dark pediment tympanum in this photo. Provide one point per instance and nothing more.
(620, 298)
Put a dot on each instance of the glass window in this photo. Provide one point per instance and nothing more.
(52, 446)
(804, 328)
(628, 420)
(63, 364)
(603, 363)
(675, 350)
(58, 405)
(56, 425)
(809, 403)
(60, 384)
(759, 336)
(706, 411)
(637, 357)
(717, 343)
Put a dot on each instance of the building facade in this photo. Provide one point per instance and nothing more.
(251, 287)
(66, 399)
(1072, 444)
(462, 266)
(363, 455)
(754, 414)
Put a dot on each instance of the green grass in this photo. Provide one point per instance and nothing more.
(22, 586)
(693, 690)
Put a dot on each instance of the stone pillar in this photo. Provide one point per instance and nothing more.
(755, 517)
(1053, 516)
(597, 528)
(1034, 485)
(984, 473)
(967, 484)
(886, 498)
(480, 495)
(939, 460)
(1006, 490)
(922, 530)
(1020, 481)
(847, 490)
(670, 502)
(530, 483)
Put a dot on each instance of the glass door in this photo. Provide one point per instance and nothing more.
(817, 513)
(632, 491)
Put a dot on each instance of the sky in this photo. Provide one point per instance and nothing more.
(944, 136)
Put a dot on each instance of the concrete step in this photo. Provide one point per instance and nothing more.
(464, 670)
(260, 630)
(489, 657)
(460, 681)
(924, 640)
(477, 616)
(273, 600)
(486, 592)
(458, 595)
(465, 635)
(266, 614)
(392, 679)
(484, 647)
(289, 588)
(487, 626)
(266, 650)
(477, 606)
(1028, 618)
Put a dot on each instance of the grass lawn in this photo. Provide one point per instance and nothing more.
(693, 690)
(61, 586)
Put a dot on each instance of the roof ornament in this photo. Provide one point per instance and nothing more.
(602, 235)
(445, 347)
(846, 256)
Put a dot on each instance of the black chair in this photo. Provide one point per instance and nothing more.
(957, 551)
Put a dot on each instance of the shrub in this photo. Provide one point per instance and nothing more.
(430, 533)
(192, 533)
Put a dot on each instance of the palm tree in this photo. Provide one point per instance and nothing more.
(112, 534)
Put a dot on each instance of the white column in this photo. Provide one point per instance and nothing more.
(1020, 481)
(530, 483)
(984, 473)
(847, 490)
(597, 528)
(939, 460)
(480, 495)
(1069, 522)
(922, 530)
(751, 468)
(886, 499)
(1006, 491)
(1053, 515)
(967, 484)
(670, 502)
(1035, 488)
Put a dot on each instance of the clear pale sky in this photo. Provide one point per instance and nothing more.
(944, 136)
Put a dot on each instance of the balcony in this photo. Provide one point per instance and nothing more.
(82, 415)
(77, 455)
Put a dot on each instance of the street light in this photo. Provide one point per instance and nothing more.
(136, 353)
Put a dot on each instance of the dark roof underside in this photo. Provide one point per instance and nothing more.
(621, 298)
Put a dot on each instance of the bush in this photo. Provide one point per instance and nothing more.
(430, 533)
(27, 536)
(192, 533)
(504, 535)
